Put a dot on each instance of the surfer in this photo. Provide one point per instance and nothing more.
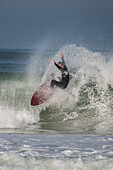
(64, 80)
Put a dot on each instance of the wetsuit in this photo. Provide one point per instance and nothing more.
(64, 76)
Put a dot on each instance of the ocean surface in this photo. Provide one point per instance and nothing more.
(72, 130)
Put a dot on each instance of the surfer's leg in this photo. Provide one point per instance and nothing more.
(54, 82)
(59, 84)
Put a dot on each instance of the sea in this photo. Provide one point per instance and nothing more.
(72, 130)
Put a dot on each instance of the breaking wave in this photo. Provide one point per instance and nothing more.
(84, 107)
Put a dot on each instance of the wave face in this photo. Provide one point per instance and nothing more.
(85, 106)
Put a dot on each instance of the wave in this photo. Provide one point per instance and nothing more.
(84, 107)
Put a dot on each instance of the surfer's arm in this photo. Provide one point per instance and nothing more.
(63, 60)
(62, 57)
(58, 66)
(53, 61)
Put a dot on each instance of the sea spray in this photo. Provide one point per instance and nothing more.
(85, 106)
(89, 88)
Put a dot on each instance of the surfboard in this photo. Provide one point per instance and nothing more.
(43, 93)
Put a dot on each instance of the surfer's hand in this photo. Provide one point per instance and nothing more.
(61, 55)
(53, 61)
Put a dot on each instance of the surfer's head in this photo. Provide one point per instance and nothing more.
(61, 64)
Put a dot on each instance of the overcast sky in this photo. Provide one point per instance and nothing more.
(32, 23)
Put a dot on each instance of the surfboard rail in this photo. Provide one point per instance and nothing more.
(43, 93)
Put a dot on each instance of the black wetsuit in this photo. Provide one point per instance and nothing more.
(64, 77)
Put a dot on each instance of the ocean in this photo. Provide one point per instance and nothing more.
(72, 130)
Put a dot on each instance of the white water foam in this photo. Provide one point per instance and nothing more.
(10, 118)
(18, 163)
(52, 152)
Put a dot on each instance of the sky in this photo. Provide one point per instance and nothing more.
(54, 23)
